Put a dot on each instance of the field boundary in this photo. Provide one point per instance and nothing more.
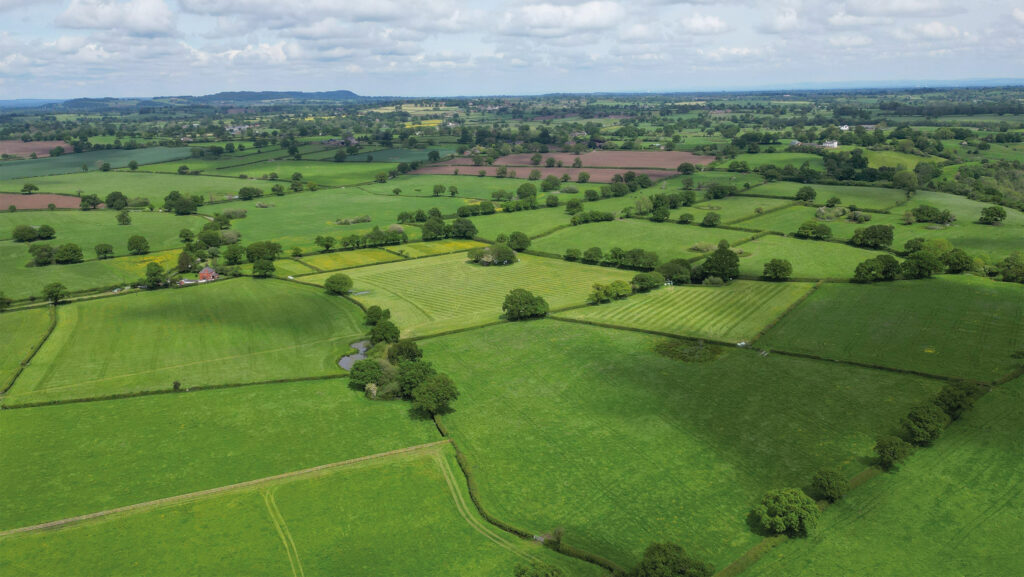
(218, 490)
(32, 353)
(788, 310)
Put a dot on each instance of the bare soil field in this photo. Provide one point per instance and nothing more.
(41, 148)
(37, 201)
(596, 174)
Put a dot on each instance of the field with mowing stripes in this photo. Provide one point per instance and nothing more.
(348, 259)
(622, 446)
(951, 510)
(25, 282)
(667, 239)
(437, 294)
(736, 312)
(958, 326)
(227, 332)
(323, 523)
(72, 163)
(419, 249)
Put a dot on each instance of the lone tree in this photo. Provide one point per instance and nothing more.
(325, 242)
(434, 395)
(124, 217)
(518, 241)
(777, 270)
(137, 244)
(723, 263)
(263, 268)
(989, 214)
(806, 194)
(55, 292)
(154, 275)
(104, 251)
(670, 560)
(788, 511)
(522, 304)
(830, 484)
(338, 284)
(891, 450)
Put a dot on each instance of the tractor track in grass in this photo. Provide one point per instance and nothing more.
(282, 530)
(219, 490)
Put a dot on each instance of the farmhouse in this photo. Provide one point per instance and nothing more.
(207, 274)
(830, 144)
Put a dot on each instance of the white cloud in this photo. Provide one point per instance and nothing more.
(901, 8)
(935, 31)
(848, 40)
(135, 17)
(1018, 15)
(700, 24)
(553, 20)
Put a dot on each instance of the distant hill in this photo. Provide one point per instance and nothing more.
(267, 96)
(26, 102)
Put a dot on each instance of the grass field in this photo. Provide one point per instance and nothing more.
(322, 173)
(349, 258)
(667, 239)
(810, 259)
(423, 185)
(150, 185)
(418, 249)
(20, 332)
(736, 312)
(622, 446)
(323, 524)
(779, 159)
(880, 158)
(228, 332)
(959, 326)
(71, 163)
(283, 268)
(860, 196)
(398, 154)
(993, 242)
(74, 459)
(951, 510)
(732, 208)
(443, 293)
(24, 282)
(297, 219)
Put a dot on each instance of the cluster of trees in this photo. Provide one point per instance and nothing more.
(926, 213)
(397, 370)
(44, 254)
(924, 258)
(498, 254)
(483, 208)
(591, 216)
(180, 204)
(420, 215)
(28, 233)
(435, 229)
(394, 234)
(521, 304)
(922, 425)
(635, 259)
(877, 236)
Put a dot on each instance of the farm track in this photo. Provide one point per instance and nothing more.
(166, 501)
(286, 536)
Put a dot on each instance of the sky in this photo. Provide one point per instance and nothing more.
(124, 48)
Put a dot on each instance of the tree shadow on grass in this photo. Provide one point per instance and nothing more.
(754, 524)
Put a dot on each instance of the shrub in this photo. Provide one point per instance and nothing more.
(788, 511)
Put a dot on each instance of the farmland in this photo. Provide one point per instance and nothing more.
(913, 520)
(734, 313)
(292, 381)
(462, 294)
(146, 342)
(646, 445)
(914, 325)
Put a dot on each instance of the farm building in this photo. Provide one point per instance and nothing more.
(207, 274)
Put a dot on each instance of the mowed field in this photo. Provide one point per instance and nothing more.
(233, 331)
(28, 282)
(67, 460)
(348, 259)
(20, 332)
(436, 294)
(297, 219)
(732, 208)
(621, 446)
(668, 239)
(69, 163)
(957, 326)
(953, 509)
(810, 259)
(870, 197)
(149, 185)
(418, 519)
(736, 312)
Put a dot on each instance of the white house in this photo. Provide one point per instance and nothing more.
(830, 144)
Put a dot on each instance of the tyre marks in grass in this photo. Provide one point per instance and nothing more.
(282, 531)
(17, 373)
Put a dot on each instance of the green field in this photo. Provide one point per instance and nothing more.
(150, 185)
(80, 458)
(951, 510)
(448, 292)
(736, 312)
(622, 446)
(779, 159)
(20, 332)
(297, 219)
(70, 163)
(322, 173)
(419, 249)
(732, 208)
(283, 268)
(860, 196)
(21, 282)
(959, 326)
(423, 185)
(880, 158)
(227, 332)
(349, 258)
(668, 239)
(810, 259)
(323, 524)
(398, 154)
